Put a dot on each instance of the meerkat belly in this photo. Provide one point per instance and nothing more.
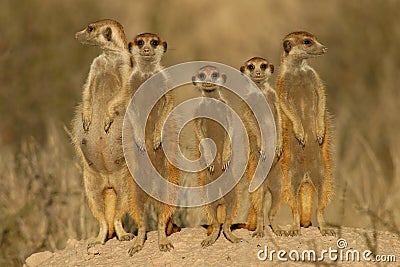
(305, 102)
(215, 132)
(102, 150)
(157, 157)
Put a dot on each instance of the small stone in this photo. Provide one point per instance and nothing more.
(38, 258)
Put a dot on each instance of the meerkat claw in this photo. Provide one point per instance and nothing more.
(86, 123)
(320, 139)
(226, 165)
(211, 169)
(107, 125)
(262, 154)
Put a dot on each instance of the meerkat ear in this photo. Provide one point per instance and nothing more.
(223, 77)
(107, 33)
(272, 68)
(287, 46)
(165, 46)
(194, 80)
(242, 69)
(130, 44)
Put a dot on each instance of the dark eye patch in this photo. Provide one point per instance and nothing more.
(263, 66)
(154, 43)
(90, 28)
(140, 43)
(202, 76)
(307, 42)
(215, 75)
(250, 67)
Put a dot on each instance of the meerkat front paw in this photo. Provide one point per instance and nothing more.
(225, 164)
(226, 160)
(299, 133)
(156, 140)
(279, 151)
(141, 145)
(320, 133)
(86, 120)
(263, 156)
(211, 168)
(107, 123)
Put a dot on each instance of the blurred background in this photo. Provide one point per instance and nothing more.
(43, 69)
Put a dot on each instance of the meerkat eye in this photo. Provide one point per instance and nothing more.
(90, 28)
(215, 75)
(154, 43)
(202, 76)
(140, 43)
(307, 42)
(263, 66)
(250, 67)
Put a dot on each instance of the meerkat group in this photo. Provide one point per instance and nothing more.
(301, 165)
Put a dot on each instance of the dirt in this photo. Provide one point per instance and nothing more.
(188, 251)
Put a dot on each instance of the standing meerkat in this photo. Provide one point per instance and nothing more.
(208, 80)
(147, 50)
(107, 181)
(306, 159)
(259, 70)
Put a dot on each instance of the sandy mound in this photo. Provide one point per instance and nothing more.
(188, 252)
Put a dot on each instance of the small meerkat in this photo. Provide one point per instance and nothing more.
(208, 80)
(147, 50)
(107, 181)
(306, 160)
(259, 70)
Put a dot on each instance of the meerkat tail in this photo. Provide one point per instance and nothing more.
(110, 201)
(306, 195)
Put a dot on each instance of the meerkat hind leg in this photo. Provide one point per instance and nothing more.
(257, 203)
(215, 226)
(120, 212)
(163, 218)
(137, 213)
(323, 227)
(275, 206)
(230, 207)
(96, 206)
(141, 236)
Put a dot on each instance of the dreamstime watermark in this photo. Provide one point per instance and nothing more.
(138, 114)
(339, 253)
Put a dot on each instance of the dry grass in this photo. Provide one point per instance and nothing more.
(43, 69)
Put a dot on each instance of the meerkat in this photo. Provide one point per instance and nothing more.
(107, 181)
(259, 70)
(147, 50)
(306, 159)
(208, 80)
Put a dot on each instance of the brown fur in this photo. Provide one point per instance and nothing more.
(225, 209)
(147, 56)
(259, 70)
(306, 162)
(107, 181)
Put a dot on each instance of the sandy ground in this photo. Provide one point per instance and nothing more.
(188, 252)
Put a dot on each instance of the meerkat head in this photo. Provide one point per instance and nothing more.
(257, 69)
(107, 34)
(147, 47)
(208, 79)
(302, 45)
